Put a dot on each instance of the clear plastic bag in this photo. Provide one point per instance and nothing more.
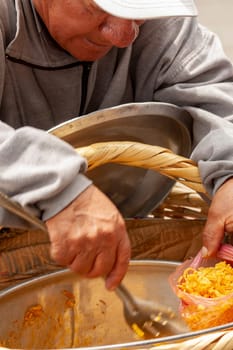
(203, 312)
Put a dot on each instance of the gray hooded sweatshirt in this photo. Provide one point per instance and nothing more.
(173, 60)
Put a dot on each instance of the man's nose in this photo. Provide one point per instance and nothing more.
(119, 32)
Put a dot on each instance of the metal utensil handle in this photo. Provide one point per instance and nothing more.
(123, 293)
(17, 209)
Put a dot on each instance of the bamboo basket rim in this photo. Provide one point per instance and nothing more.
(160, 159)
(216, 341)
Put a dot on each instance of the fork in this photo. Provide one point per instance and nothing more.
(147, 319)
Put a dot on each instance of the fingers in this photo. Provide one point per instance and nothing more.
(111, 261)
(99, 252)
(220, 218)
(102, 255)
(213, 233)
(121, 266)
(91, 238)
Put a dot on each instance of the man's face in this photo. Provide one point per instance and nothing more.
(83, 29)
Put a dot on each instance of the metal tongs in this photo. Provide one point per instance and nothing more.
(146, 319)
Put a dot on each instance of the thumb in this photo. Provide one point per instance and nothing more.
(212, 235)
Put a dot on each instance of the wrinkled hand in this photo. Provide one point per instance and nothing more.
(220, 218)
(89, 236)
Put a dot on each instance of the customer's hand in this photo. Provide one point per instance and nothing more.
(220, 218)
(89, 236)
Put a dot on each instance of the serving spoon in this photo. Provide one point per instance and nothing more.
(147, 319)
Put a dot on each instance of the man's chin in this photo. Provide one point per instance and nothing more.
(90, 56)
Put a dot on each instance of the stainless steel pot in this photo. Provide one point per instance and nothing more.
(61, 310)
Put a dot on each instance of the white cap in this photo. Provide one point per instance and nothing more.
(148, 9)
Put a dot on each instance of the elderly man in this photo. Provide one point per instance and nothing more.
(64, 58)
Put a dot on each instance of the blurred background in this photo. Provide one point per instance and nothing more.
(217, 15)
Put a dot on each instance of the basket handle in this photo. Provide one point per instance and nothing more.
(137, 154)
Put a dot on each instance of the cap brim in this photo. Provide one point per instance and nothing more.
(148, 9)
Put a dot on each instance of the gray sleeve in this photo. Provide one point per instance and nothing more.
(213, 151)
(200, 79)
(39, 171)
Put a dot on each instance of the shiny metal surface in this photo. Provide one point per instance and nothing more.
(15, 208)
(96, 319)
(81, 313)
(138, 312)
(150, 318)
(135, 191)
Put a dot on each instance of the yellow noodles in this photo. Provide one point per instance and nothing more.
(213, 283)
(208, 282)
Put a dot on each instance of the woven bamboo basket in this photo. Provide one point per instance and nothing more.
(171, 232)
